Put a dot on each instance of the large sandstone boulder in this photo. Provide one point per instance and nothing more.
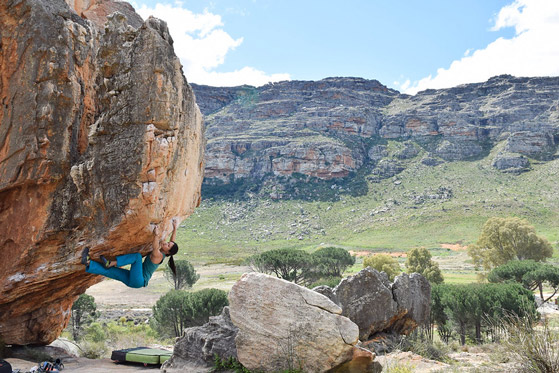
(366, 299)
(197, 348)
(376, 305)
(283, 325)
(100, 138)
(412, 293)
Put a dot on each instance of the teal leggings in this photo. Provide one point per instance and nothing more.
(133, 278)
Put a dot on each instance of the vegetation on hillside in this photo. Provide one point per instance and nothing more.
(423, 206)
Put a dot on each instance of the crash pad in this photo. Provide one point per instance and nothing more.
(143, 355)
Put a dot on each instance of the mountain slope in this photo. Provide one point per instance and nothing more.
(349, 162)
(340, 127)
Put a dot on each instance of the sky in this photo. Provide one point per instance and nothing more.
(407, 45)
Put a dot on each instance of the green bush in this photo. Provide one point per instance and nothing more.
(99, 339)
(504, 239)
(228, 364)
(399, 368)
(93, 350)
(179, 309)
(95, 333)
(328, 281)
(383, 263)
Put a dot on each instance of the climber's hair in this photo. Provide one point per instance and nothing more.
(172, 251)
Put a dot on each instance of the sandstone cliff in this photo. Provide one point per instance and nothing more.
(341, 126)
(100, 138)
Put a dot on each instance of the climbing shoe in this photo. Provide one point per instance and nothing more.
(106, 263)
(85, 256)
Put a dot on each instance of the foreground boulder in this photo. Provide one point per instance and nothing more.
(376, 305)
(100, 138)
(197, 348)
(285, 326)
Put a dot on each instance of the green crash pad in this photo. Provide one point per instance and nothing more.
(143, 355)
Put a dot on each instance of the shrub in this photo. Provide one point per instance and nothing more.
(383, 263)
(303, 268)
(179, 309)
(228, 364)
(95, 333)
(328, 281)
(503, 239)
(93, 350)
(534, 347)
(399, 368)
(425, 347)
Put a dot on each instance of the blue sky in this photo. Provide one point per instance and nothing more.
(408, 45)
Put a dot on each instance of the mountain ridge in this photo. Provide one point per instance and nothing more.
(340, 128)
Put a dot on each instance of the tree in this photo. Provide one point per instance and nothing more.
(532, 275)
(205, 303)
(504, 239)
(170, 314)
(178, 309)
(475, 307)
(332, 261)
(289, 264)
(419, 260)
(186, 275)
(383, 263)
(83, 306)
(438, 315)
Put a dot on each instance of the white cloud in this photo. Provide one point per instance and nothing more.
(533, 51)
(202, 45)
(246, 75)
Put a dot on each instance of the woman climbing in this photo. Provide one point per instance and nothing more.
(140, 272)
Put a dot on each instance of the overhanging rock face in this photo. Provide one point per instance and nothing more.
(100, 138)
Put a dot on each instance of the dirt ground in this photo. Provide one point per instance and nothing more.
(83, 365)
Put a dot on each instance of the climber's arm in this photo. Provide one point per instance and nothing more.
(155, 255)
(174, 234)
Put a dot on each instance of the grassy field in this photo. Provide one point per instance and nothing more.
(431, 207)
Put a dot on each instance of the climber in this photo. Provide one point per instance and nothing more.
(140, 272)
